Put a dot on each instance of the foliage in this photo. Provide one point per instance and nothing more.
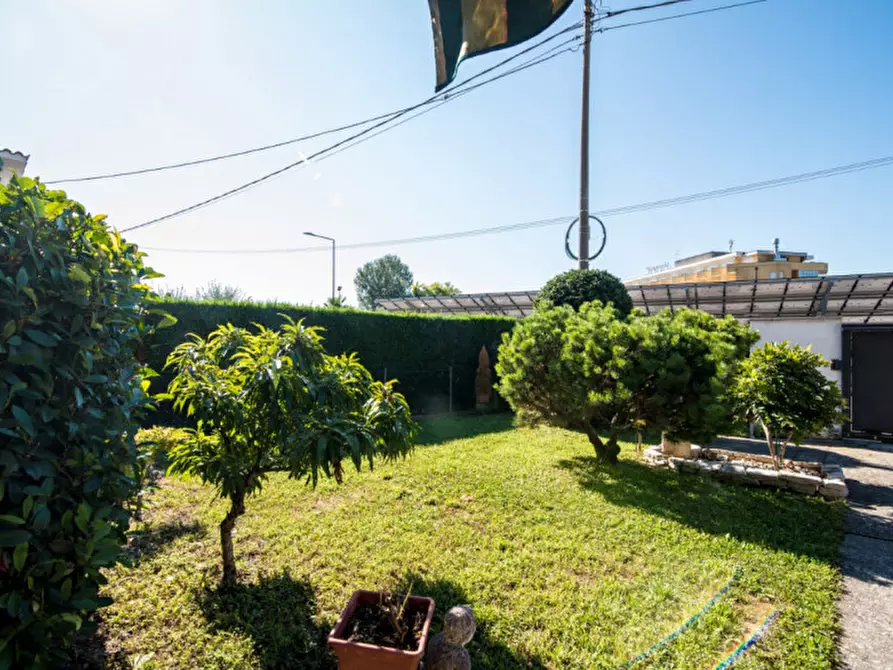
(336, 302)
(420, 290)
(783, 389)
(214, 290)
(269, 400)
(682, 367)
(72, 321)
(594, 372)
(599, 563)
(577, 287)
(416, 349)
(385, 277)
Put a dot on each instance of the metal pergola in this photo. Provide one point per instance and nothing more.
(854, 299)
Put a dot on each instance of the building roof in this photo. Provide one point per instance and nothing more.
(855, 299)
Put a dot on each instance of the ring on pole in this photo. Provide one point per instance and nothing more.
(567, 239)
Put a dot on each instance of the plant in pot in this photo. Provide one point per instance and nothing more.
(380, 630)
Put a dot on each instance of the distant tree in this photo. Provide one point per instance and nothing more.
(214, 290)
(336, 302)
(174, 292)
(420, 290)
(576, 287)
(385, 277)
(782, 388)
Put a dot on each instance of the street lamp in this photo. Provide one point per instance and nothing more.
(332, 240)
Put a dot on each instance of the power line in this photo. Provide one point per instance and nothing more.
(609, 14)
(616, 211)
(268, 147)
(603, 29)
(307, 159)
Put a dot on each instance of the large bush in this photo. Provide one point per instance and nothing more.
(270, 401)
(72, 308)
(600, 374)
(577, 287)
(415, 349)
(782, 388)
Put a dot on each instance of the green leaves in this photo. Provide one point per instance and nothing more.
(73, 316)
(268, 400)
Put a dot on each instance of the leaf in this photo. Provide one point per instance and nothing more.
(11, 538)
(11, 519)
(20, 555)
(24, 419)
(40, 337)
(78, 397)
(166, 322)
(21, 278)
(82, 518)
(75, 271)
(27, 506)
(8, 330)
(41, 518)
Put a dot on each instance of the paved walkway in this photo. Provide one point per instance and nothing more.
(866, 606)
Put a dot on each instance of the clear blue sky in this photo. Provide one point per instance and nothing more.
(778, 88)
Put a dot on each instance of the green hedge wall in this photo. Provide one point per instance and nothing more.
(416, 349)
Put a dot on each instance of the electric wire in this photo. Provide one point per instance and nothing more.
(604, 29)
(616, 211)
(295, 140)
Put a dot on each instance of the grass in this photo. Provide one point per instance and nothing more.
(567, 564)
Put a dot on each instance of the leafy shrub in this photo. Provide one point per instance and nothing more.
(577, 287)
(416, 349)
(594, 372)
(783, 389)
(270, 401)
(385, 277)
(72, 319)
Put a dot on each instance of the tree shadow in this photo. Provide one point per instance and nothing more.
(770, 518)
(486, 652)
(277, 613)
(440, 429)
(151, 539)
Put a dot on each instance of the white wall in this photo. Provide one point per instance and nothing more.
(825, 336)
(13, 163)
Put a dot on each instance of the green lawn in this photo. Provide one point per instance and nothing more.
(567, 564)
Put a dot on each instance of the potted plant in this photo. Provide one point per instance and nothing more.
(382, 631)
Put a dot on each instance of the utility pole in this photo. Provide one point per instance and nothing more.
(584, 140)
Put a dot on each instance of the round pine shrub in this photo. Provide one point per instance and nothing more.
(577, 287)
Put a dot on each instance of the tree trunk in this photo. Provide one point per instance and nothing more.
(605, 452)
(237, 508)
(770, 441)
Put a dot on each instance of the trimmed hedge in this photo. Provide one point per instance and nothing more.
(416, 349)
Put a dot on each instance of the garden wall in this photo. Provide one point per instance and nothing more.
(419, 350)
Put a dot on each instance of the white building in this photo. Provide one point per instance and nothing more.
(14, 162)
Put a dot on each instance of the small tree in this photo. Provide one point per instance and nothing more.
(577, 287)
(385, 277)
(269, 400)
(782, 388)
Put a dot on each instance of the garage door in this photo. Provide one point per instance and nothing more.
(868, 379)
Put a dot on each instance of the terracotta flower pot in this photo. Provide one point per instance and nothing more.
(361, 656)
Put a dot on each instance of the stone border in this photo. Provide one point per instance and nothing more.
(831, 485)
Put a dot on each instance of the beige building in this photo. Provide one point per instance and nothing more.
(14, 162)
(718, 266)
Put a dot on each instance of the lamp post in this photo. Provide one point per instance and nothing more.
(332, 240)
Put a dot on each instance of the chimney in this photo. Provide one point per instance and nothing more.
(13, 162)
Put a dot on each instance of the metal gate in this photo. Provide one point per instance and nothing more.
(868, 379)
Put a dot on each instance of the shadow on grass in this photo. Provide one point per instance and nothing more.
(152, 539)
(439, 429)
(783, 521)
(277, 614)
(486, 652)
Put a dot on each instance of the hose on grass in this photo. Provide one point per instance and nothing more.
(747, 644)
(676, 633)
